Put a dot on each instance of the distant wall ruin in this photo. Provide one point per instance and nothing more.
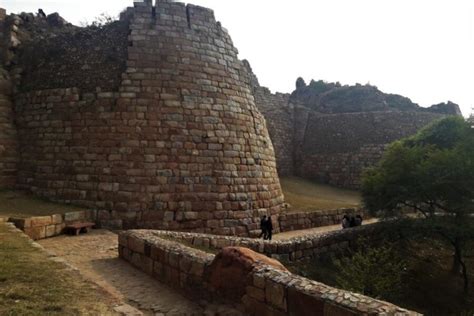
(333, 139)
(336, 148)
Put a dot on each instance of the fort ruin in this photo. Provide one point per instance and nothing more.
(154, 119)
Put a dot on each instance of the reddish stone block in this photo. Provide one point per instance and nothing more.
(36, 233)
(41, 221)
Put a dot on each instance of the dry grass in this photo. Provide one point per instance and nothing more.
(31, 284)
(23, 204)
(305, 195)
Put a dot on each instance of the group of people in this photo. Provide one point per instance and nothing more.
(267, 227)
(351, 221)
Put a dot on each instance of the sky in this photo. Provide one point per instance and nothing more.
(421, 49)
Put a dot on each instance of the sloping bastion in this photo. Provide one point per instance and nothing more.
(151, 117)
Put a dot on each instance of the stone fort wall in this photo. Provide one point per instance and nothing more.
(336, 148)
(175, 142)
(332, 148)
(8, 136)
(279, 116)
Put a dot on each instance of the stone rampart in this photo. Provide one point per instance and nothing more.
(332, 148)
(268, 290)
(179, 144)
(8, 134)
(297, 248)
(279, 116)
(305, 220)
(337, 148)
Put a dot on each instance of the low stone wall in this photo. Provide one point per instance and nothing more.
(168, 261)
(41, 227)
(268, 291)
(293, 249)
(305, 220)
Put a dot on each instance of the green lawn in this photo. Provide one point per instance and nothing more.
(23, 204)
(31, 284)
(305, 195)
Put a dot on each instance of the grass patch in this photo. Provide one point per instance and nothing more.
(305, 195)
(31, 284)
(23, 204)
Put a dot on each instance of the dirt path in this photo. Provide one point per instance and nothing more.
(96, 256)
(316, 230)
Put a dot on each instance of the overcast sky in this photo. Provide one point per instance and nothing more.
(422, 49)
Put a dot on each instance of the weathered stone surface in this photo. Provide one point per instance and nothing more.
(331, 133)
(36, 233)
(302, 304)
(232, 266)
(261, 285)
(152, 119)
(41, 221)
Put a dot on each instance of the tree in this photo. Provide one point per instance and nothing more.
(374, 271)
(431, 174)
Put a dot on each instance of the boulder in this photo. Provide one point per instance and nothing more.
(229, 273)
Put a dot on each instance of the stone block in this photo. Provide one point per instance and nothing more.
(41, 221)
(303, 304)
(337, 310)
(275, 294)
(59, 228)
(254, 307)
(74, 216)
(197, 268)
(56, 219)
(158, 270)
(36, 233)
(259, 281)
(136, 244)
(185, 263)
(173, 259)
(255, 293)
(50, 230)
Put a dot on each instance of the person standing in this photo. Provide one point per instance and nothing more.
(269, 228)
(263, 224)
(346, 223)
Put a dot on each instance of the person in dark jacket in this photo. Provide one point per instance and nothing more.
(263, 224)
(269, 228)
(358, 221)
(346, 223)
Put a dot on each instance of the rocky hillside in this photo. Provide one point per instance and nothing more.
(329, 97)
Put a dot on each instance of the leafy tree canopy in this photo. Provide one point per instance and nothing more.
(431, 172)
